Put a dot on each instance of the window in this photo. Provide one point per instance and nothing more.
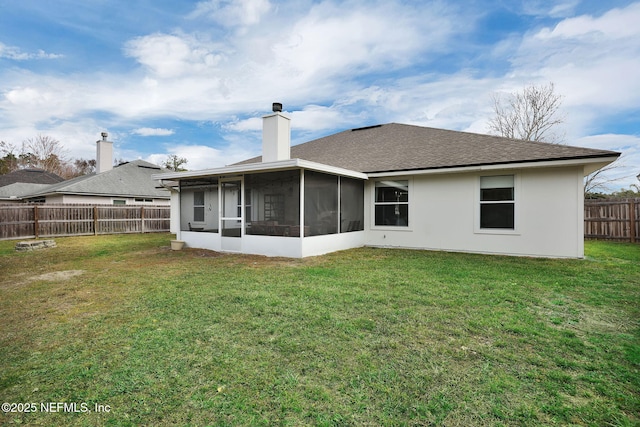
(198, 206)
(497, 202)
(119, 202)
(392, 203)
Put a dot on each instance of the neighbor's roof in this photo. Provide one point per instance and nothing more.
(18, 190)
(30, 175)
(132, 179)
(398, 147)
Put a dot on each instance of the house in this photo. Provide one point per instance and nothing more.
(29, 176)
(389, 185)
(126, 184)
(19, 183)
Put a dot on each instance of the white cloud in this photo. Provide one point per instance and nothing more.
(563, 9)
(595, 59)
(230, 13)
(334, 40)
(15, 53)
(174, 55)
(202, 156)
(152, 132)
(614, 24)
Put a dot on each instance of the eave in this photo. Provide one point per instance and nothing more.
(260, 167)
(590, 164)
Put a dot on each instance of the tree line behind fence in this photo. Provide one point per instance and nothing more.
(603, 219)
(48, 220)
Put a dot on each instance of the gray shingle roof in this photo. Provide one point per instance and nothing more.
(399, 147)
(131, 179)
(17, 190)
(29, 175)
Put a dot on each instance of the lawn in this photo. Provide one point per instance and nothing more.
(127, 332)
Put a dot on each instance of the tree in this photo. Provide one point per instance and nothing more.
(8, 161)
(44, 152)
(84, 167)
(175, 163)
(601, 180)
(532, 114)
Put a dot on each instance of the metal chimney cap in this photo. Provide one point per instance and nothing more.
(276, 107)
(104, 136)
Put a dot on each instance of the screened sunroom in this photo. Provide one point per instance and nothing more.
(271, 212)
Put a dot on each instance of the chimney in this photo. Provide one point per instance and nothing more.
(276, 135)
(104, 156)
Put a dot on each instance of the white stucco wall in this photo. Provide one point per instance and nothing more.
(444, 215)
(210, 209)
(102, 200)
(174, 223)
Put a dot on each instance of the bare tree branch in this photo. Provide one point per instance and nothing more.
(532, 115)
(44, 152)
(598, 181)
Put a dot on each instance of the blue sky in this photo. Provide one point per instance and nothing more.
(193, 78)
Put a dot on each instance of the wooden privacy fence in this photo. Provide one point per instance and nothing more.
(615, 219)
(603, 219)
(48, 220)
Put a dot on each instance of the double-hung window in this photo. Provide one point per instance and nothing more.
(497, 202)
(391, 203)
(198, 206)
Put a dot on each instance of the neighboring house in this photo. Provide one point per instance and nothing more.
(30, 176)
(22, 182)
(127, 184)
(16, 192)
(389, 185)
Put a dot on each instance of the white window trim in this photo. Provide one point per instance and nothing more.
(516, 206)
(203, 206)
(410, 215)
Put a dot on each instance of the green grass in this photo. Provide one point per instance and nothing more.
(360, 337)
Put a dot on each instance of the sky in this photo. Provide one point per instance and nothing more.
(194, 78)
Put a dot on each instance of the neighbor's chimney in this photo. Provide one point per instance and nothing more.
(104, 156)
(276, 135)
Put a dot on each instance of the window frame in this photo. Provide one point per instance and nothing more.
(408, 226)
(515, 202)
(202, 206)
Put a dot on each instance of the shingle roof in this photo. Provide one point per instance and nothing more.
(18, 190)
(29, 175)
(399, 147)
(129, 179)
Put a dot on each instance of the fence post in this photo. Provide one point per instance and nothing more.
(142, 219)
(95, 220)
(36, 226)
(632, 220)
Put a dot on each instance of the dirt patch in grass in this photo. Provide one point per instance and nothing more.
(57, 276)
(23, 279)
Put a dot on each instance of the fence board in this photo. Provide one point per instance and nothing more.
(49, 220)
